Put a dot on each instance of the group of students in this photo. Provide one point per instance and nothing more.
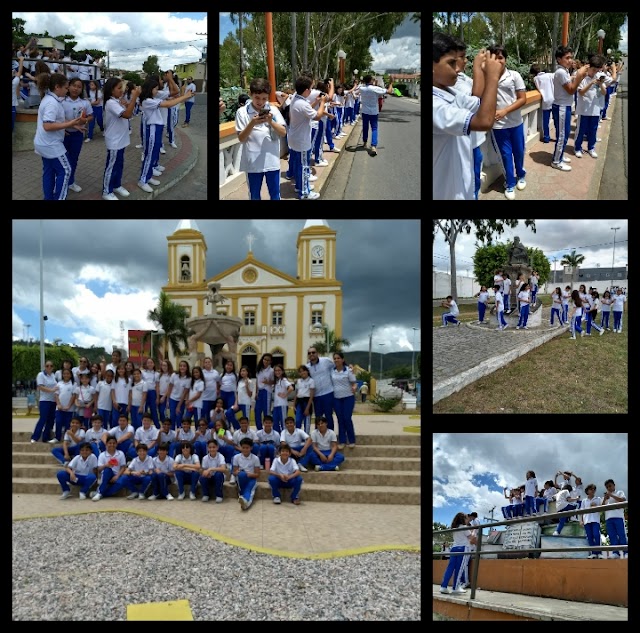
(587, 305)
(464, 109)
(306, 123)
(526, 500)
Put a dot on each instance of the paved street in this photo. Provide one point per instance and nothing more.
(394, 174)
(194, 185)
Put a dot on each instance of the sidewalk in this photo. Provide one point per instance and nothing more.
(27, 167)
(237, 189)
(545, 183)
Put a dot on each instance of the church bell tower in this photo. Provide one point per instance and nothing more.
(187, 256)
(316, 252)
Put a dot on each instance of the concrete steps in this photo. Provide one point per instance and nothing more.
(381, 469)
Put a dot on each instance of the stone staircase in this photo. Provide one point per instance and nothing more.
(381, 469)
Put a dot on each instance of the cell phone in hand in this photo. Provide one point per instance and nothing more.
(264, 111)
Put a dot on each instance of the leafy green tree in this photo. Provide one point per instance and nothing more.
(133, 77)
(26, 359)
(484, 231)
(418, 364)
(170, 317)
(404, 371)
(336, 343)
(574, 260)
(150, 66)
(364, 376)
(485, 261)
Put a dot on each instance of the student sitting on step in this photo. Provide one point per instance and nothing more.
(80, 472)
(71, 443)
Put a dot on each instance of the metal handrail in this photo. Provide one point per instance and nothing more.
(543, 517)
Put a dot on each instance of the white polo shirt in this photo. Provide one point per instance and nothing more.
(163, 465)
(116, 128)
(323, 441)
(300, 115)
(284, 469)
(615, 514)
(248, 464)
(453, 177)
(304, 386)
(191, 87)
(81, 466)
(369, 99)
(50, 144)
(591, 102)
(618, 303)
(261, 150)
(146, 435)
(510, 82)
(544, 84)
(297, 438)
(464, 84)
(152, 111)
(313, 95)
(454, 310)
(560, 96)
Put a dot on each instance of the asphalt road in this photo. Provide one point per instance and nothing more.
(614, 184)
(394, 174)
(194, 185)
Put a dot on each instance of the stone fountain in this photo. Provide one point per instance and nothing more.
(518, 263)
(216, 330)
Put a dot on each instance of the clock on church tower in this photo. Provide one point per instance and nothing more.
(316, 252)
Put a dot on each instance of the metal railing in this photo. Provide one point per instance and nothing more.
(536, 518)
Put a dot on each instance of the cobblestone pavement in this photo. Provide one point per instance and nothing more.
(459, 348)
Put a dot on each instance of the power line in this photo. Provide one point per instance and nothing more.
(160, 45)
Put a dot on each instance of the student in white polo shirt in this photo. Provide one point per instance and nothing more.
(544, 84)
(456, 114)
(259, 129)
(300, 116)
(591, 94)
(564, 87)
(508, 130)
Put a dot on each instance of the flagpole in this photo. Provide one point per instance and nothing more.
(41, 304)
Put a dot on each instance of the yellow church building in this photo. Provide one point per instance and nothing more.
(281, 313)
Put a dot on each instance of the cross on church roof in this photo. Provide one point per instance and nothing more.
(250, 239)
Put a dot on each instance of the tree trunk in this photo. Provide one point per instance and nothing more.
(294, 52)
(306, 40)
(326, 70)
(468, 27)
(452, 259)
(241, 50)
(554, 40)
(461, 27)
(515, 33)
(448, 22)
(502, 31)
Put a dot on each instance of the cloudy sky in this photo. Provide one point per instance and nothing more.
(129, 37)
(471, 469)
(591, 238)
(401, 51)
(99, 272)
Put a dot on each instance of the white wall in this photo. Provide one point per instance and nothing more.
(601, 285)
(467, 287)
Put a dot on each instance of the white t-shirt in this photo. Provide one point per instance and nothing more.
(499, 302)
(122, 388)
(586, 503)
(104, 390)
(369, 96)
(591, 102)
(146, 466)
(281, 386)
(198, 386)
(152, 111)
(550, 492)
(321, 374)
(146, 435)
(213, 462)
(248, 464)
(178, 386)
(304, 386)
(261, 150)
(117, 432)
(530, 487)
(506, 286)
(239, 435)
(461, 539)
(79, 434)
(578, 312)
(498, 280)
(323, 441)
(116, 128)
(560, 96)
(105, 457)
(300, 116)
(48, 381)
(618, 303)
(453, 175)
(50, 144)
(284, 469)
(84, 395)
(522, 296)
(606, 304)
(150, 376)
(264, 375)
(566, 295)
(561, 500)
(615, 514)
(65, 391)
(454, 310)
(137, 389)
(193, 460)
(191, 87)
(211, 380)
(268, 438)
(510, 82)
(164, 466)
(464, 84)
(14, 97)
(243, 395)
(483, 297)
(297, 438)
(544, 84)
(81, 466)
(94, 437)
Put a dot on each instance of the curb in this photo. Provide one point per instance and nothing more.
(594, 185)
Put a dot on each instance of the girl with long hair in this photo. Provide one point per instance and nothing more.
(576, 314)
(461, 543)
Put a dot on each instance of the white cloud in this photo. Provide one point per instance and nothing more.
(399, 52)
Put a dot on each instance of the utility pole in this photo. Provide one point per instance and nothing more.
(28, 326)
(615, 231)
(413, 352)
(370, 338)
(41, 304)
(381, 356)
(206, 63)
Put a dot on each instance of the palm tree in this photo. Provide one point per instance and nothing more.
(574, 261)
(335, 343)
(170, 317)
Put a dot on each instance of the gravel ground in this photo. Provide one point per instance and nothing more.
(99, 563)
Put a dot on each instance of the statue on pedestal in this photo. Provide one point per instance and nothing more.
(517, 253)
(214, 296)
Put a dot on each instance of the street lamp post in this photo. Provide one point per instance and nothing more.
(381, 344)
(413, 351)
(600, 35)
(370, 338)
(613, 260)
(342, 56)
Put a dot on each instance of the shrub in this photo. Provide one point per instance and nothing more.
(384, 404)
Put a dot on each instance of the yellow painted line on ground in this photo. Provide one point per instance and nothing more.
(231, 541)
(411, 429)
(414, 417)
(155, 611)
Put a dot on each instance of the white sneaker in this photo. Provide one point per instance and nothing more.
(139, 146)
(219, 499)
(86, 140)
(318, 468)
(181, 496)
(312, 178)
(163, 150)
(504, 327)
(153, 181)
(152, 497)
(592, 153)
(459, 590)
(141, 495)
(173, 145)
(156, 172)
(205, 499)
(322, 163)
(601, 332)
(582, 333)
(336, 469)
(311, 188)
(312, 196)
(142, 157)
(566, 159)
(160, 168)
(144, 186)
(133, 495)
(232, 479)
(302, 468)
(598, 140)
(65, 495)
(82, 496)
(444, 590)
(335, 149)
(33, 441)
(122, 192)
(522, 183)
(578, 154)
(170, 497)
(97, 497)
(76, 188)
(55, 441)
(561, 166)
(340, 446)
(556, 534)
(192, 496)
(109, 196)
(277, 500)
(510, 194)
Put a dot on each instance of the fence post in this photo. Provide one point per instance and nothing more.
(476, 563)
